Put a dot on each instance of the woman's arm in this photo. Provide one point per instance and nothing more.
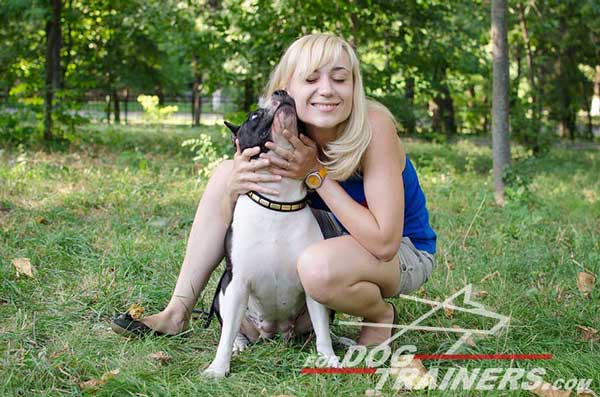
(377, 228)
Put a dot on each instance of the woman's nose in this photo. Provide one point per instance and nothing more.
(325, 86)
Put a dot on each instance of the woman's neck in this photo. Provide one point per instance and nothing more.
(322, 136)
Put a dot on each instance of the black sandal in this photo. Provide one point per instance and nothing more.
(126, 325)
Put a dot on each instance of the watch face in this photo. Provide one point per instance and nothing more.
(313, 181)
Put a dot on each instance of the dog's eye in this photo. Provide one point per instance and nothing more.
(253, 116)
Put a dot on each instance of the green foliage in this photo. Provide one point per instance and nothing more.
(413, 54)
(153, 112)
(210, 150)
(13, 129)
(533, 134)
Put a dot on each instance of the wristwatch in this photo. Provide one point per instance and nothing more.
(315, 179)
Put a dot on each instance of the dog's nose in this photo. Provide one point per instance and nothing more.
(280, 93)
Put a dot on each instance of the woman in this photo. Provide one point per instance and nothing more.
(366, 192)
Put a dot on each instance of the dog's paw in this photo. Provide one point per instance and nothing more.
(215, 372)
(329, 360)
(240, 343)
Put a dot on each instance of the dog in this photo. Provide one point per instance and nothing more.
(260, 284)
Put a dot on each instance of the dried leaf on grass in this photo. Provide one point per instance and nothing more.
(448, 311)
(110, 374)
(413, 373)
(41, 220)
(90, 384)
(547, 390)
(589, 333)
(135, 311)
(23, 266)
(161, 357)
(586, 393)
(489, 276)
(469, 340)
(585, 283)
(373, 392)
(480, 294)
(94, 383)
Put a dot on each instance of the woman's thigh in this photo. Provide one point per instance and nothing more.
(342, 262)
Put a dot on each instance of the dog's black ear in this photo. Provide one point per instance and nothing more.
(234, 128)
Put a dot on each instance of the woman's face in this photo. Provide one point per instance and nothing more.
(324, 97)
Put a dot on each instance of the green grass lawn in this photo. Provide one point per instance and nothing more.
(105, 224)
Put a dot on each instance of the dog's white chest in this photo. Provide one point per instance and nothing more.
(265, 246)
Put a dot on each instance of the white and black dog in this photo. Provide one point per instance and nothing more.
(263, 243)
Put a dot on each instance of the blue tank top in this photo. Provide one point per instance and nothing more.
(416, 216)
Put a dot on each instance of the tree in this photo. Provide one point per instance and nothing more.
(53, 69)
(500, 104)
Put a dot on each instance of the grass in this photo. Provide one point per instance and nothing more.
(105, 224)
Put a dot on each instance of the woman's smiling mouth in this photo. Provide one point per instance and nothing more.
(325, 107)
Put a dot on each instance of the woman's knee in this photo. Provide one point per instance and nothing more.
(317, 274)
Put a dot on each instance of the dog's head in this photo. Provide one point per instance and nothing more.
(278, 114)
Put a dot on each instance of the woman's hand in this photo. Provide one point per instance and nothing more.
(297, 162)
(244, 176)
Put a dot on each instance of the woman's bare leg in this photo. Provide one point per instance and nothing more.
(205, 250)
(343, 275)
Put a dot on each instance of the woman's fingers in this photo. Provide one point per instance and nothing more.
(259, 188)
(255, 165)
(249, 152)
(283, 173)
(279, 162)
(284, 153)
(307, 141)
(254, 177)
(293, 139)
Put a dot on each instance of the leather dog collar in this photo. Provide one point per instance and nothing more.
(276, 205)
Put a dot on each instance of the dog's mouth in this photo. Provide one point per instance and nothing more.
(260, 125)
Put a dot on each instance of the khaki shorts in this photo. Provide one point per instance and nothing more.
(415, 265)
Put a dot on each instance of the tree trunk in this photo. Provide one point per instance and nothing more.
(500, 109)
(442, 109)
(107, 98)
(53, 71)
(536, 100)
(409, 94)
(126, 99)
(436, 117)
(196, 93)
(117, 108)
(197, 99)
(595, 106)
(160, 95)
(68, 45)
(248, 95)
(448, 111)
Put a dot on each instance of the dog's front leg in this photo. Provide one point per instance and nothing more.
(320, 321)
(233, 306)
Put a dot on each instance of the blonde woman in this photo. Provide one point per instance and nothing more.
(366, 196)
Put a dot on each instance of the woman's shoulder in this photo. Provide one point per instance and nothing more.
(382, 123)
(383, 130)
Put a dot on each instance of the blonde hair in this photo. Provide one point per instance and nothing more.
(309, 53)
